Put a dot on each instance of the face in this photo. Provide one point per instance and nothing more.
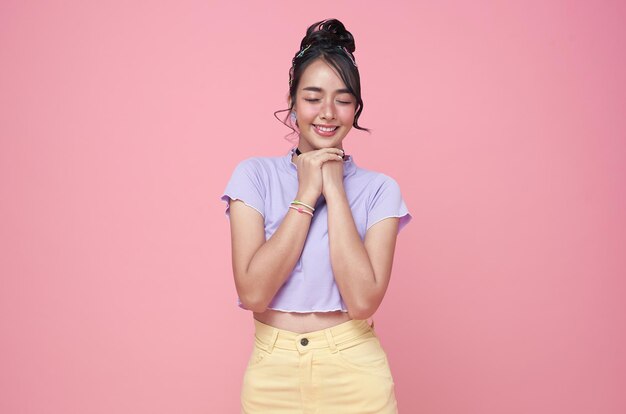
(322, 99)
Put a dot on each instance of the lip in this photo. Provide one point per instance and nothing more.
(325, 134)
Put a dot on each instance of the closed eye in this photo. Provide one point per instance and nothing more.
(315, 100)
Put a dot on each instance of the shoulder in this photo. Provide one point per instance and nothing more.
(257, 168)
(384, 198)
(375, 180)
(258, 164)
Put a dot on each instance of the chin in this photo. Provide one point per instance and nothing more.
(326, 144)
(326, 141)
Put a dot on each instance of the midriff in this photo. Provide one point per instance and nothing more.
(301, 322)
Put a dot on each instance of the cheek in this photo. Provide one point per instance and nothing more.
(346, 115)
(307, 114)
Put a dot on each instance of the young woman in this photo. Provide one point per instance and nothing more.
(313, 239)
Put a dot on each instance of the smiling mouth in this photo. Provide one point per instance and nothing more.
(325, 129)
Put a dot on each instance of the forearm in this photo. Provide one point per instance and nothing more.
(274, 261)
(350, 261)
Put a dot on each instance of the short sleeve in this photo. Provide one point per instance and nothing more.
(387, 202)
(246, 184)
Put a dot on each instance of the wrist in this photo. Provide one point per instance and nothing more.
(333, 190)
(307, 198)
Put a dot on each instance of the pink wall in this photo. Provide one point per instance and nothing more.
(120, 123)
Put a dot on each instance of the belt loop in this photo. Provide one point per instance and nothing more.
(270, 345)
(331, 340)
(372, 325)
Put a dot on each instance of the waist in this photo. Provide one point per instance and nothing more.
(345, 332)
(301, 322)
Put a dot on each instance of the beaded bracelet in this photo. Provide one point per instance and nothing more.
(301, 210)
(301, 203)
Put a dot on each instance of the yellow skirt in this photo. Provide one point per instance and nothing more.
(341, 369)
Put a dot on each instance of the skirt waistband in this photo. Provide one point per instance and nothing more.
(268, 336)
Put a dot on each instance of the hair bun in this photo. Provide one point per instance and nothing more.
(329, 33)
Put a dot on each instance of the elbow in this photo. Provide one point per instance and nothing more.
(361, 312)
(258, 308)
(249, 296)
(253, 303)
(365, 308)
(253, 299)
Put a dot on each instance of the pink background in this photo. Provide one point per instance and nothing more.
(120, 123)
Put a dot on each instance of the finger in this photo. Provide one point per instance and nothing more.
(337, 151)
(332, 157)
(322, 155)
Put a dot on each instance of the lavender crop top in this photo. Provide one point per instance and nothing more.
(270, 184)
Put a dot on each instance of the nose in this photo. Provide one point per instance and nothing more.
(327, 111)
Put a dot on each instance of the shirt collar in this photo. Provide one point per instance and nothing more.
(348, 165)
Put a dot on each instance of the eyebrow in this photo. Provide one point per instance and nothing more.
(316, 89)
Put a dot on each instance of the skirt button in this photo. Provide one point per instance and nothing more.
(304, 341)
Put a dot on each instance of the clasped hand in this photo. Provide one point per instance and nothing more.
(321, 171)
(332, 176)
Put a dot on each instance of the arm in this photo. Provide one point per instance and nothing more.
(260, 267)
(362, 269)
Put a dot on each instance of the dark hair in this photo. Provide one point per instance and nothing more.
(328, 40)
